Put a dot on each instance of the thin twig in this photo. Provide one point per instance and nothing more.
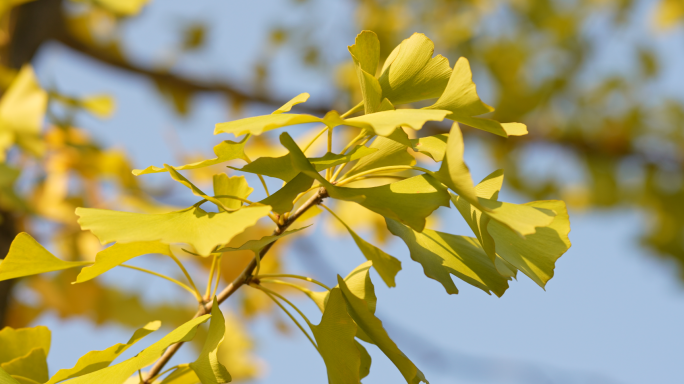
(239, 281)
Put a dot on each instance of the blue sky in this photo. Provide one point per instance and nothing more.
(611, 314)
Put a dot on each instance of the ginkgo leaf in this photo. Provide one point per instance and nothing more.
(259, 124)
(257, 245)
(183, 374)
(335, 339)
(231, 186)
(19, 342)
(282, 200)
(27, 257)
(387, 266)
(359, 283)
(5, 378)
(442, 254)
(96, 360)
(281, 167)
(101, 106)
(301, 98)
(195, 190)
(454, 172)
(32, 366)
(366, 53)
(372, 326)
(390, 151)
(433, 146)
(383, 123)
(22, 110)
(224, 151)
(460, 97)
(23, 380)
(522, 219)
(409, 201)
(194, 226)
(411, 74)
(364, 369)
(119, 7)
(207, 366)
(536, 254)
(116, 374)
(118, 254)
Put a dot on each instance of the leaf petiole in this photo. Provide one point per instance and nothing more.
(305, 278)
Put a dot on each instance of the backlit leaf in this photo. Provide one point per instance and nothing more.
(32, 366)
(282, 200)
(207, 366)
(366, 53)
(181, 375)
(387, 266)
(301, 98)
(372, 326)
(19, 342)
(5, 378)
(203, 230)
(390, 151)
(433, 146)
(224, 151)
(259, 124)
(335, 339)
(383, 123)
(96, 360)
(195, 191)
(442, 254)
(116, 374)
(411, 74)
(231, 186)
(118, 254)
(257, 245)
(453, 172)
(101, 106)
(27, 257)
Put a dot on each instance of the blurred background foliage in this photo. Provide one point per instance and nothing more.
(595, 106)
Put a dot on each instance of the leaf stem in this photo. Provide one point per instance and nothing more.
(194, 293)
(218, 276)
(281, 282)
(381, 169)
(273, 295)
(355, 108)
(185, 272)
(314, 139)
(207, 292)
(305, 278)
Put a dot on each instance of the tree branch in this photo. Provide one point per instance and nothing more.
(239, 281)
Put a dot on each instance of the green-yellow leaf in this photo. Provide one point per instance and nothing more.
(372, 326)
(231, 186)
(182, 375)
(282, 200)
(27, 257)
(433, 146)
(259, 124)
(224, 151)
(203, 230)
(119, 7)
(195, 190)
(383, 123)
(442, 254)
(522, 219)
(454, 172)
(366, 53)
(117, 374)
(32, 366)
(330, 160)
(5, 378)
(335, 339)
(536, 254)
(387, 266)
(391, 150)
(24, 380)
(96, 360)
(460, 97)
(411, 74)
(257, 245)
(301, 98)
(19, 342)
(118, 254)
(207, 366)
(101, 106)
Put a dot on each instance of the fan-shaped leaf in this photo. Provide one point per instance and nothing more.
(32, 366)
(231, 186)
(5, 378)
(118, 254)
(442, 254)
(203, 230)
(391, 150)
(27, 257)
(207, 366)
(96, 360)
(301, 98)
(366, 53)
(19, 342)
(257, 245)
(282, 200)
(433, 146)
(383, 123)
(225, 151)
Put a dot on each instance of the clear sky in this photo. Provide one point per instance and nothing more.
(612, 313)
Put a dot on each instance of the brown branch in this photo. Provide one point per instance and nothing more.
(239, 281)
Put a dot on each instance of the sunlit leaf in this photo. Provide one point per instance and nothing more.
(383, 123)
(387, 266)
(207, 366)
(119, 7)
(442, 255)
(27, 257)
(224, 151)
(372, 326)
(116, 374)
(454, 172)
(282, 200)
(433, 146)
(259, 124)
(231, 186)
(32, 366)
(257, 245)
(203, 230)
(195, 190)
(366, 53)
(335, 339)
(390, 151)
(5, 378)
(96, 360)
(118, 254)
(536, 254)
(411, 74)
(330, 160)
(460, 97)
(101, 106)
(182, 375)
(301, 98)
